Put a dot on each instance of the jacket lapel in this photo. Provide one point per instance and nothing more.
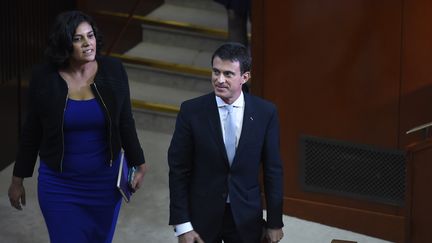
(216, 129)
(215, 126)
(247, 131)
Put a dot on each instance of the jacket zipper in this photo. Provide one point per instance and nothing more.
(62, 133)
(110, 125)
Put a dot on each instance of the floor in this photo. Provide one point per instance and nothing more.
(145, 219)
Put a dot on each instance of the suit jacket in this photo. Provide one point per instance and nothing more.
(200, 177)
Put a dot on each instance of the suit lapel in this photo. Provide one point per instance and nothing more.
(215, 126)
(247, 131)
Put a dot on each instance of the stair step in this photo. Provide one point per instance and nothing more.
(201, 40)
(154, 121)
(200, 4)
(170, 24)
(160, 94)
(182, 56)
(191, 16)
(167, 78)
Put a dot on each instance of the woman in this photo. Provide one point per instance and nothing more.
(79, 117)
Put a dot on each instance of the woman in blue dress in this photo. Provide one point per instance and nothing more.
(79, 118)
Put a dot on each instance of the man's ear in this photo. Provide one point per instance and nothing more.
(246, 76)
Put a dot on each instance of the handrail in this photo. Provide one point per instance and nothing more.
(218, 33)
(117, 38)
(206, 72)
(140, 104)
(424, 127)
(418, 128)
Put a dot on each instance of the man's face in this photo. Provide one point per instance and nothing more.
(227, 80)
(84, 44)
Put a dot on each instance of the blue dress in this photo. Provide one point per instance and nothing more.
(81, 204)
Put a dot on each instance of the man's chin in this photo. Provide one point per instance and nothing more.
(219, 93)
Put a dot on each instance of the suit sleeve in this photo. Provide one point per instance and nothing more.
(180, 166)
(273, 173)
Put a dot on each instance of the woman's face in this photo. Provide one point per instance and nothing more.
(84, 44)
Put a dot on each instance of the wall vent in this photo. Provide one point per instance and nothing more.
(352, 170)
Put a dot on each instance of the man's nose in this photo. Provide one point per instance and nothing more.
(221, 79)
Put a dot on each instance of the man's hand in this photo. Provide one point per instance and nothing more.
(190, 237)
(274, 235)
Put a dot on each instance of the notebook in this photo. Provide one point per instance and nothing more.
(124, 178)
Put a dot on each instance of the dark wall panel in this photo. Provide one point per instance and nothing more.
(24, 26)
(333, 69)
(9, 113)
(416, 88)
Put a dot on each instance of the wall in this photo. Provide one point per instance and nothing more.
(24, 26)
(354, 71)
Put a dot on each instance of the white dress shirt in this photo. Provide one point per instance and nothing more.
(238, 112)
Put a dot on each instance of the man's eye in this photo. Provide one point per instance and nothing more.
(90, 35)
(76, 39)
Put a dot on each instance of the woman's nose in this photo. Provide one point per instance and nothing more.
(85, 42)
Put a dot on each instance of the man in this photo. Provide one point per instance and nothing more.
(215, 157)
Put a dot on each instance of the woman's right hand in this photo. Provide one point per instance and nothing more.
(16, 193)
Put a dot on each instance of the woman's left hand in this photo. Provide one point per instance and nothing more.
(139, 176)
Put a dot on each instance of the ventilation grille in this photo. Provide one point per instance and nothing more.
(352, 170)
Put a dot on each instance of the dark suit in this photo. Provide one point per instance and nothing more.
(200, 176)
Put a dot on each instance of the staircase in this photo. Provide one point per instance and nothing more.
(173, 61)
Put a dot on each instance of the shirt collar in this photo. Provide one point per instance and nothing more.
(238, 103)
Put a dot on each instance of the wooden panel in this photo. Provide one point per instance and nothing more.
(25, 26)
(333, 70)
(9, 113)
(416, 89)
(419, 196)
(371, 222)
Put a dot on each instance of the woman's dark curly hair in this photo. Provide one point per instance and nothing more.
(59, 48)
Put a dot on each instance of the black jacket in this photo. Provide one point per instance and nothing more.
(43, 128)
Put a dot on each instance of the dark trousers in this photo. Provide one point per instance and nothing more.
(228, 232)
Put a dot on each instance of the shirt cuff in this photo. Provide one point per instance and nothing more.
(182, 228)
